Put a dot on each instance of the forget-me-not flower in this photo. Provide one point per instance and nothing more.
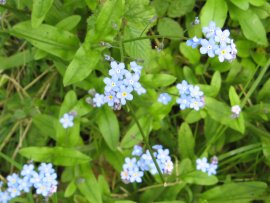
(67, 120)
(164, 98)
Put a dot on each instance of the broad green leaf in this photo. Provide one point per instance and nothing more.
(264, 92)
(39, 11)
(88, 185)
(221, 113)
(244, 48)
(193, 55)
(16, 60)
(189, 75)
(257, 2)
(169, 27)
(84, 61)
(199, 178)
(133, 135)
(71, 188)
(186, 142)
(48, 38)
(138, 15)
(161, 6)
(115, 158)
(108, 21)
(179, 8)
(216, 83)
(243, 4)
(234, 98)
(57, 155)
(251, 25)
(45, 124)
(214, 11)
(108, 126)
(235, 192)
(157, 80)
(69, 23)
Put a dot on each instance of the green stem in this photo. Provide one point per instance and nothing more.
(152, 37)
(256, 83)
(11, 161)
(146, 141)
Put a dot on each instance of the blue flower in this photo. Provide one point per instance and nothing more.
(183, 87)
(136, 175)
(13, 180)
(210, 30)
(184, 102)
(27, 170)
(14, 191)
(212, 169)
(224, 52)
(67, 120)
(98, 100)
(4, 197)
(135, 67)
(222, 37)
(164, 98)
(202, 164)
(131, 79)
(124, 94)
(117, 70)
(111, 84)
(195, 92)
(137, 150)
(208, 47)
(139, 89)
(130, 163)
(196, 104)
(157, 147)
(194, 42)
(24, 184)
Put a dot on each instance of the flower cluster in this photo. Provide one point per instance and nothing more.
(120, 85)
(217, 42)
(190, 96)
(209, 168)
(44, 181)
(134, 167)
(67, 120)
(164, 98)
(236, 109)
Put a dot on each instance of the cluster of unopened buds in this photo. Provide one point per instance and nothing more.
(120, 85)
(43, 181)
(209, 168)
(134, 168)
(217, 42)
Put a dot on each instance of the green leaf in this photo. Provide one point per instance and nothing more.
(221, 113)
(214, 11)
(189, 75)
(69, 23)
(251, 25)
(234, 98)
(45, 124)
(84, 61)
(133, 135)
(109, 19)
(257, 2)
(138, 15)
(16, 60)
(58, 155)
(264, 92)
(243, 4)
(108, 126)
(71, 188)
(169, 27)
(186, 142)
(193, 55)
(48, 38)
(39, 11)
(236, 192)
(157, 80)
(179, 8)
(199, 178)
(88, 185)
(161, 6)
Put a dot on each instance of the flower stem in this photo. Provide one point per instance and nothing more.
(146, 141)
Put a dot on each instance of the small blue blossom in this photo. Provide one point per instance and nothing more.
(210, 31)
(137, 150)
(157, 147)
(194, 42)
(139, 89)
(164, 98)
(136, 175)
(111, 84)
(196, 104)
(184, 102)
(14, 191)
(98, 100)
(24, 184)
(131, 79)
(195, 92)
(217, 42)
(117, 70)
(202, 164)
(212, 169)
(4, 197)
(27, 170)
(222, 37)
(13, 180)
(130, 163)
(183, 87)
(208, 47)
(135, 67)
(124, 94)
(67, 120)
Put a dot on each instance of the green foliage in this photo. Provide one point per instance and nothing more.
(52, 52)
